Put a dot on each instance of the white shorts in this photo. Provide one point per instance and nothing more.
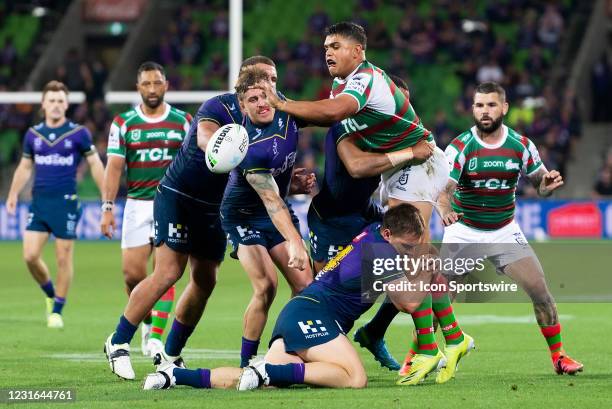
(416, 183)
(501, 247)
(137, 227)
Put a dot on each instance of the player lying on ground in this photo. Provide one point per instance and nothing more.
(144, 140)
(53, 149)
(308, 343)
(186, 211)
(478, 204)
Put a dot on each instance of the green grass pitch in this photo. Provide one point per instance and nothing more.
(510, 368)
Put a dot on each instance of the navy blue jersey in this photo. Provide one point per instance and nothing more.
(341, 194)
(339, 283)
(188, 174)
(272, 149)
(56, 153)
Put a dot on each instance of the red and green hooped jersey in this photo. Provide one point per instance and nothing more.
(385, 121)
(148, 146)
(487, 176)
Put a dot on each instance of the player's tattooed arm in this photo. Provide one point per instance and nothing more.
(267, 189)
(444, 204)
(546, 181)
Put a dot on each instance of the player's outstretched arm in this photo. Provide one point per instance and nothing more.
(205, 130)
(546, 182)
(97, 170)
(110, 187)
(361, 164)
(443, 206)
(20, 178)
(324, 112)
(267, 189)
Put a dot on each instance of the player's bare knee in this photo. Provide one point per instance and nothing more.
(358, 380)
(265, 291)
(31, 258)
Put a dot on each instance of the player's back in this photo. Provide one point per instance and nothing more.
(339, 283)
(188, 173)
(385, 121)
(56, 153)
(341, 194)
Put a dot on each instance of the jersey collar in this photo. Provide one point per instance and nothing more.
(489, 145)
(155, 120)
(348, 77)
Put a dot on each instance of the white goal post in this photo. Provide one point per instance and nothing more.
(173, 97)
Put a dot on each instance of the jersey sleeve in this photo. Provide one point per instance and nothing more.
(28, 152)
(360, 87)
(531, 157)
(214, 110)
(86, 145)
(116, 138)
(456, 160)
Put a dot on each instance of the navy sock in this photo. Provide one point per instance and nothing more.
(378, 325)
(285, 375)
(177, 338)
(247, 351)
(197, 378)
(58, 305)
(48, 289)
(124, 332)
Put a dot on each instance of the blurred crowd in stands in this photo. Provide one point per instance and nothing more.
(515, 43)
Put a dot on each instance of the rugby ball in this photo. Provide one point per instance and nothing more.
(226, 148)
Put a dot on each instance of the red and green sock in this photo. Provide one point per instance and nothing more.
(161, 311)
(552, 333)
(423, 325)
(443, 310)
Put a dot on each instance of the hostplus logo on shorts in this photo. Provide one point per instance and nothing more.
(311, 330)
(177, 233)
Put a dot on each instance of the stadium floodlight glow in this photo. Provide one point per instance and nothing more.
(39, 11)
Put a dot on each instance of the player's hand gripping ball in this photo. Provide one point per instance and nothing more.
(226, 148)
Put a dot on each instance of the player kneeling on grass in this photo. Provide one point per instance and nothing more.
(308, 344)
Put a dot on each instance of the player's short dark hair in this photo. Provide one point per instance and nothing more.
(257, 59)
(489, 87)
(150, 66)
(350, 30)
(54, 86)
(398, 81)
(249, 77)
(402, 219)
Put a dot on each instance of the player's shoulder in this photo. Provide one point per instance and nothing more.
(461, 141)
(517, 139)
(36, 129)
(126, 116)
(180, 114)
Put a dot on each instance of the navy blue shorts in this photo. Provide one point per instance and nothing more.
(248, 231)
(55, 214)
(329, 236)
(188, 226)
(304, 323)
